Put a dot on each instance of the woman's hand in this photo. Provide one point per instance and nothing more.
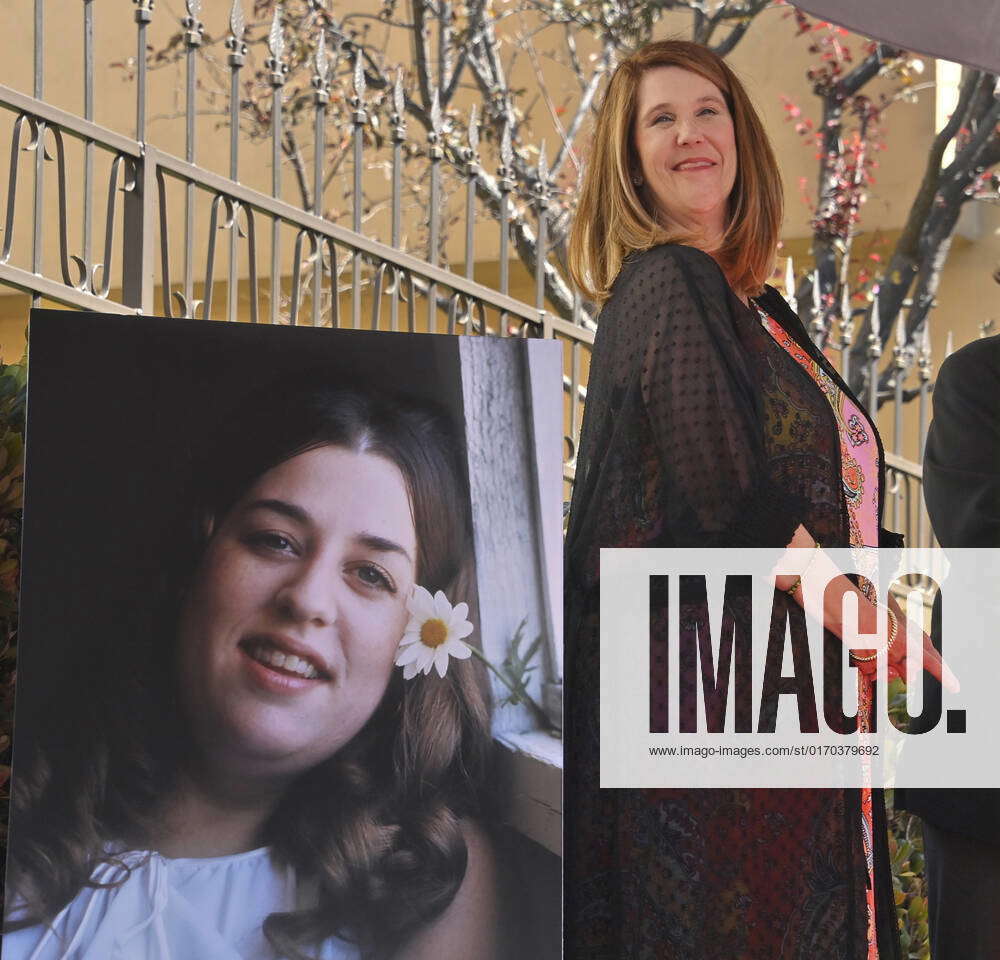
(831, 615)
(897, 654)
(469, 927)
(932, 661)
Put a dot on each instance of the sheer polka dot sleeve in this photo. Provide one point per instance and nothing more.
(705, 417)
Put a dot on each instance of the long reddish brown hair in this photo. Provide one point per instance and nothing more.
(614, 218)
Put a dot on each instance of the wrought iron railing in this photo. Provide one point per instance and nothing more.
(173, 229)
(158, 206)
(338, 276)
(904, 506)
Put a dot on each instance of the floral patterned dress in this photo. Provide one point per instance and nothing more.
(860, 470)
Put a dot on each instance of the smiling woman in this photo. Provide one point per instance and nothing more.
(278, 789)
(712, 421)
(288, 635)
(686, 149)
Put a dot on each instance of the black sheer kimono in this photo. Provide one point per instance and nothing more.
(700, 430)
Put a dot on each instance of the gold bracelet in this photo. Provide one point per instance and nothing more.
(798, 580)
(893, 631)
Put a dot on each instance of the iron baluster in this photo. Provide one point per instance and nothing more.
(398, 122)
(790, 298)
(278, 73)
(137, 240)
(161, 187)
(38, 82)
(453, 305)
(435, 153)
(193, 36)
(64, 256)
(321, 96)
(334, 295)
(119, 164)
(359, 118)
(237, 55)
(143, 15)
(899, 370)
(213, 227)
(15, 143)
(574, 404)
(251, 235)
(926, 370)
(88, 143)
(846, 333)
(505, 183)
(37, 238)
(541, 205)
(38, 128)
(818, 323)
(471, 156)
(874, 353)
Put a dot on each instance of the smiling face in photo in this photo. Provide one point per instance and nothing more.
(686, 148)
(289, 630)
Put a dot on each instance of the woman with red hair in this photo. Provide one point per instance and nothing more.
(712, 420)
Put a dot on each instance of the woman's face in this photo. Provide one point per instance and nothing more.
(288, 635)
(686, 149)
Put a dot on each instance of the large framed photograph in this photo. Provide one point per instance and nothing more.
(268, 574)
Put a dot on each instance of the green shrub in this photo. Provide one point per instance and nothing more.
(13, 378)
(906, 853)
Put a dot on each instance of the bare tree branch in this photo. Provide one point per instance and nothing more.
(475, 50)
(583, 108)
(292, 150)
(456, 74)
(421, 51)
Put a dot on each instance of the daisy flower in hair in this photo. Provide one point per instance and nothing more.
(433, 634)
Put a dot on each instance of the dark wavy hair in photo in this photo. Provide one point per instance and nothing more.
(377, 826)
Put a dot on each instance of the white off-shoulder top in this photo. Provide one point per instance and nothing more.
(185, 909)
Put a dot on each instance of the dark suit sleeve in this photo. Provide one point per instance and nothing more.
(962, 457)
(962, 492)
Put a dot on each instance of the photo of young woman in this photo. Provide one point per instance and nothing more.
(293, 759)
